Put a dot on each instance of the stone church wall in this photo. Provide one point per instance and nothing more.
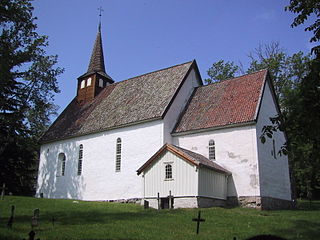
(99, 180)
(235, 150)
(273, 168)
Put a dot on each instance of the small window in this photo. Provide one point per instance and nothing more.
(61, 164)
(83, 84)
(89, 82)
(80, 159)
(118, 155)
(100, 82)
(212, 150)
(168, 171)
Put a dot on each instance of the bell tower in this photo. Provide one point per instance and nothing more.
(95, 79)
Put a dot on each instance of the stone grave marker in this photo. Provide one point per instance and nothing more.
(170, 197)
(10, 221)
(3, 189)
(35, 218)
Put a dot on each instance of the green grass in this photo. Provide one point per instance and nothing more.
(102, 220)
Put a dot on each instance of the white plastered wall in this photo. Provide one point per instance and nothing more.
(99, 180)
(274, 171)
(236, 150)
(179, 103)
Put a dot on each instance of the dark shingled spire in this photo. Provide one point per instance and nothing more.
(96, 64)
(97, 61)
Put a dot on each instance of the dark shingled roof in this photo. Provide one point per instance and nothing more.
(232, 101)
(131, 101)
(191, 157)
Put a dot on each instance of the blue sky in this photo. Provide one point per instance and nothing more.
(140, 36)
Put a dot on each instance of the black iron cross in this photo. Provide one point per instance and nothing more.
(198, 220)
(100, 11)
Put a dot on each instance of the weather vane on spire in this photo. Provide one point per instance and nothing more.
(100, 11)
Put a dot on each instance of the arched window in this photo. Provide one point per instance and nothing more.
(168, 171)
(83, 84)
(212, 150)
(118, 155)
(61, 164)
(100, 82)
(89, 82)
(80, 159)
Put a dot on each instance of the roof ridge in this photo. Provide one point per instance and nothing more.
(156, 71)
(235, 78)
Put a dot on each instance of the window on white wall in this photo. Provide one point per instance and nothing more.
(61, 164)
(212, 150)
(168, 171)
(118, 155)
(80, 159)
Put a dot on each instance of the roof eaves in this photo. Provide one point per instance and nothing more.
(261, 95)
(215, 169)
(170, 148)
(194, 131)
(102, 130)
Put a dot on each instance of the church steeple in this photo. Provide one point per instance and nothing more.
(97, 61)
(95, 79)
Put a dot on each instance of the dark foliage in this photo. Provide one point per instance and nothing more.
(27, 86)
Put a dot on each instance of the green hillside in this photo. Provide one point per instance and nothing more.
(102, 220)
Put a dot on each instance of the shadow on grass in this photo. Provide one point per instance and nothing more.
(91, 217)
(302, 229)
(308, 206)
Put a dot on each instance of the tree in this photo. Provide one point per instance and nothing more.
(220, 71)
(28, 82)
(304, 9)
(285, 71)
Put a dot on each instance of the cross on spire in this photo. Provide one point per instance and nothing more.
(100, 13)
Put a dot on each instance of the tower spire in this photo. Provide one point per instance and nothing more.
(95, 79)
(97, 60)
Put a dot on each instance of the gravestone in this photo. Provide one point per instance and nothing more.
(158, 198)
(35, 218)
(198, 220)
(53, 220)
(10, 221)
(170, 200)
(146, 204)
(3, 189)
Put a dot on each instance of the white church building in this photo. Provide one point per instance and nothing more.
(165, 139)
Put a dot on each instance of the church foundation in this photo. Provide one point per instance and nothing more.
(263, 203)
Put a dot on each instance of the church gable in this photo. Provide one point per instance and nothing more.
(233, 101)
(143, 98)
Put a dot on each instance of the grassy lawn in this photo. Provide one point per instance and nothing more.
(101, 220)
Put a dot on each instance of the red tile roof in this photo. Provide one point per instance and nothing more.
(189, 156)
(232, 101)
(131, 101)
